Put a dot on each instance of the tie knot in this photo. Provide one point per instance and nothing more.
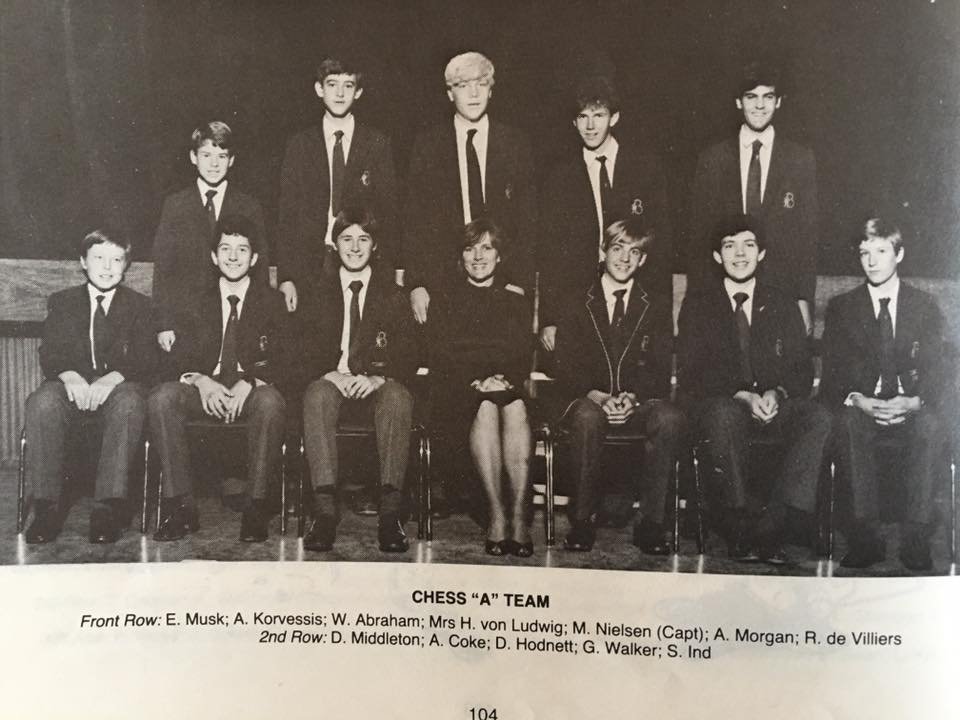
(356, 286)
(470, 134)
(884, 303)
(233, 300)
(338, 135)
(757, 144)
(740, 298)
(618, 294)
(602, 159)
(100, 299)
(211, 194)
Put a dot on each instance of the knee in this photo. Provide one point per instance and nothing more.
(45, 403)
(849, 421)
(666, 419)
(268, 401)
(127, 400)
(319, 393)
(394, 395)
(930, 426)
(720, 416)
(586, 416)
(163, 399)
(515, 416)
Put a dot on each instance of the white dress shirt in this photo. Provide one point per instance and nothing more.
(610, 286)
(748, 287)
(347, 277)
(330, 126)
(220, 189)
(107, 299)
(240, 290)
(609, 150)
(747, 136)
(482, 126)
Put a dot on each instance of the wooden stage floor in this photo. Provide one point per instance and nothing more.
(457, 540)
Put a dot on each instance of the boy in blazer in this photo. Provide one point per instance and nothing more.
(224, 366)
(613, 366)
(97, 352)
(885, 373)
(181, 271)
(361, 358)
(744, 368)
(341, 161)
(608, 180)
(466, 168)
(763, 174)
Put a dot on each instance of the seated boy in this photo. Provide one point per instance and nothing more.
(613, 365)
(96, 351)
(745, 367)
(360, 336)
(227, 362)
(181, 273)
(884, 374)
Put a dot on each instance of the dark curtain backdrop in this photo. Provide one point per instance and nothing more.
(98, 98)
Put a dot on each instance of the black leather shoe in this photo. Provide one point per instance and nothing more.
(254, 524)
(390, 534)
(773, 553)
(864, 552)
(321, 534)
(46, 524)
(495, 547)
(105, 526)
(518, 549)
(651, 538)
(177, 523)
(581, 537)
(915, 552)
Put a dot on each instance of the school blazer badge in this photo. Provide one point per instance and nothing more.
(789, 201)
(365, 178)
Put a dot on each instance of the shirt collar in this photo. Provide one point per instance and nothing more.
(462, 125)
(93, 291)
(608, 149)
(240, 290)
(891, 290)
(331, 124)
(610, 286)
(732, 288)
(748, 135)
(347, 277)
(203, 186)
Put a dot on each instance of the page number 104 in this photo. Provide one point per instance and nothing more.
(483, 713)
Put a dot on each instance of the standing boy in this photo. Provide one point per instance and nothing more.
(227, 361)
(181, 269)
(763, 174)
(339, 162)
(884, 375)
(607, 181)
(360, 362)
(97, 352)
(468, 167)
(745, 369)
(613, 365)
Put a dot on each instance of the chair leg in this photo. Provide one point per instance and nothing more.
(22, 481)
(548, 499)
(953, 510)
(428, 492)
(421, 490)
(300, 465)
(698, 492)
(283, 490)
(676, 508)
(146, 487)
(159, 496)
(830, 509)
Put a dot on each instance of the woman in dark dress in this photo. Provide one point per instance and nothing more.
(481, 345)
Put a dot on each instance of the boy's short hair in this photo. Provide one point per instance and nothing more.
(355, 215)
(474, 231)
(217, 132)
(336, 66)
(633, 230)
(466, 66)
(105, 235)
(737, 223)
(597, 91)
(760, 72)
(880, 228)
(236, 225)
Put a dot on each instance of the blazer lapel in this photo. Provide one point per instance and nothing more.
(636, 311)
(359, 147)
(773, 192)
(730, 171)
(369, 319)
